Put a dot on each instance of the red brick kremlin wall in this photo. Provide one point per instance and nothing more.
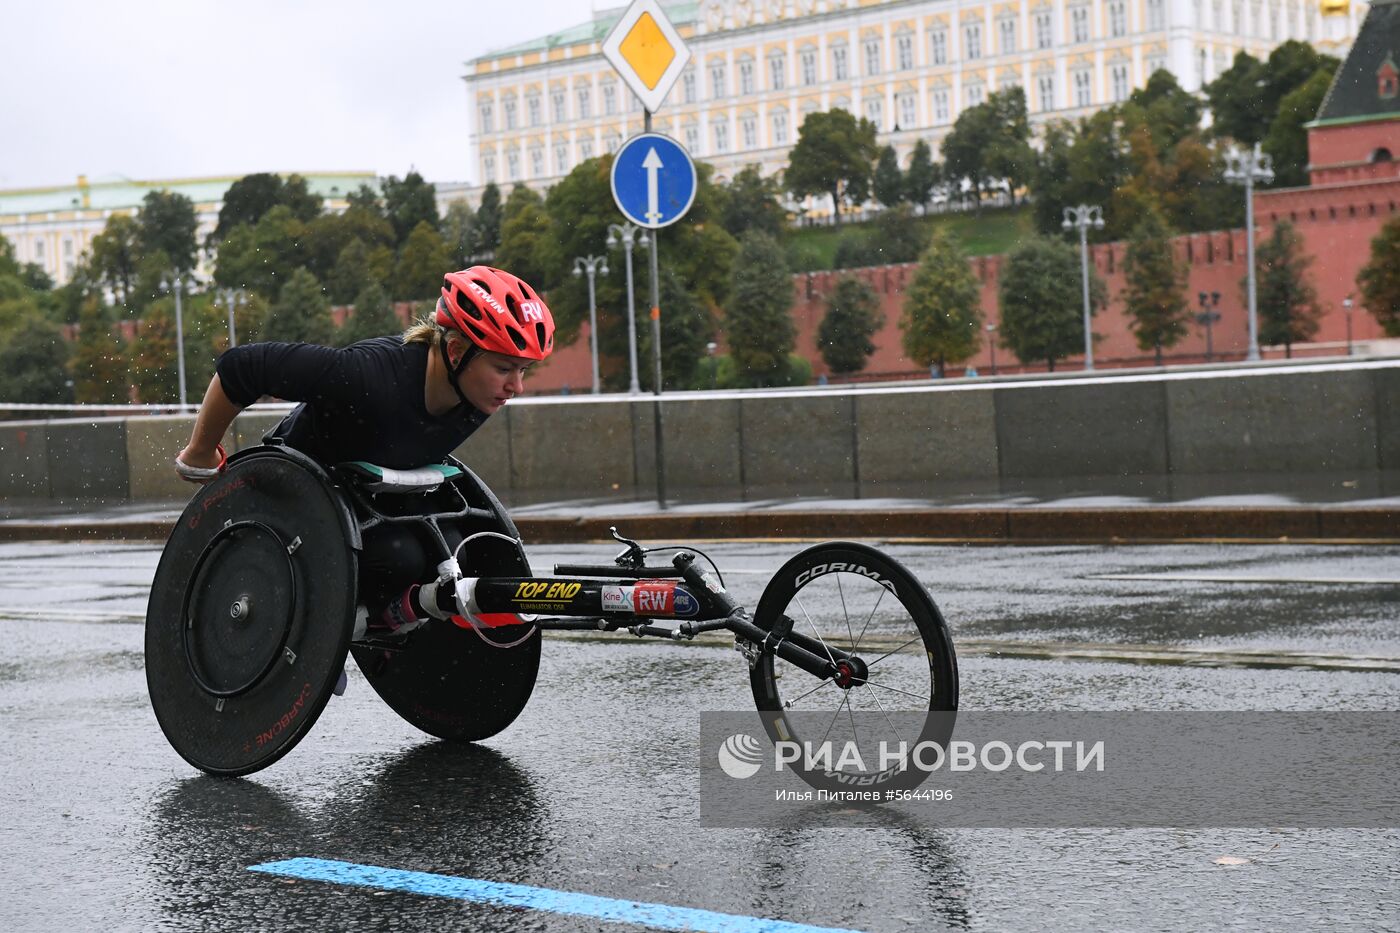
(1337, 224)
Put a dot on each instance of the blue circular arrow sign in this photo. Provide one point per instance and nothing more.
(653, 180)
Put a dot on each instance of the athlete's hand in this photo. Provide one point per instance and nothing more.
(200, 466)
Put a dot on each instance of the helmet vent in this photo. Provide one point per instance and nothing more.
(540, 337)
(518, 338)
(468, 307)
(514, 307)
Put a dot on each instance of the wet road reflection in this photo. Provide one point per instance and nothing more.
(593, 789)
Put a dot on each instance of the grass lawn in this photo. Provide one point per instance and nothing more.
(996, 231)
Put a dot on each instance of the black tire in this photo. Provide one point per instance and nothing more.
(854, 598)
(251, 612)
(448, 681)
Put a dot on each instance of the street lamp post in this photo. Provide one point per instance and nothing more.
(1346, 306)
(1081, 218)
(173, 284)
(992, 342)
(1208, 316)
(233, 297)
(592, 265)
(627, 235)
(1245, 168)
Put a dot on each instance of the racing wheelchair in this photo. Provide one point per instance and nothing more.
(253, 612)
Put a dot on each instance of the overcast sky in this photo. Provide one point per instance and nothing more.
(152, 89)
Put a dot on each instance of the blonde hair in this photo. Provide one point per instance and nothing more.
(423, 330)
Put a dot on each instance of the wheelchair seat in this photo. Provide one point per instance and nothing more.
(376, 479)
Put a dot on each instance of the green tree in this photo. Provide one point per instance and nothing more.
(301, 313)
(305, 205)
(262, 258)
(990, 144)
(373, 317)
(898, 236)
(923, 176)
(1009, 157)
(686, 327)
(1287, 302)
(1287, 140)
(1379, 279)
(580, 207)
(1155, 292)
(457, 231)
(889, 185)
(246, 201)
(833, 156)
(115, 256)
(1080, 163)
(486, 230)
(1169, 113)
(167, 223)
(408, 203)
(423, 261)
(358, 267)
(98, 362)
(852, 318)
(525, 231)
(1245, 98)
(942, 315)
(326, 236)
(152, 359)
(751, 203)
(1041, 300)
(33, 357)
(1236, 99)
(367, 199)
(757, 324)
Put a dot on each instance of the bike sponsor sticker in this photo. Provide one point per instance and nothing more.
(658, 599)
(545, 595)
(823, 569)
(617, 599)
(686, 604)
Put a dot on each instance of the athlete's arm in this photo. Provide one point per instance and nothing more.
(216, 413)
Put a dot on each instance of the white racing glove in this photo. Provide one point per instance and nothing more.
(201, 475)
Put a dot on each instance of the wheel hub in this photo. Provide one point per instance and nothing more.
(850, 672)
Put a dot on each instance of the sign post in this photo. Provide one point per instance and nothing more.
(653, 178)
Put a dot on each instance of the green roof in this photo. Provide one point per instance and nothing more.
(594, 31)
(118, 193)
(1355, 92)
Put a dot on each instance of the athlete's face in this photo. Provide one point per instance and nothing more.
(492, 379)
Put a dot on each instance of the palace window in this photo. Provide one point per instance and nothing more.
(777, 71)
(872, 56)
(972, 40)
(938, 45)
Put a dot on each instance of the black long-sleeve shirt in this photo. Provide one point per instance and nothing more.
(362, 402)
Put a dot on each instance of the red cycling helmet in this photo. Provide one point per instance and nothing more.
(497, 312)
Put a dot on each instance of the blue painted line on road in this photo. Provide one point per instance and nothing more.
(613, 910)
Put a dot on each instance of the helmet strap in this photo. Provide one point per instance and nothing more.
(453, 372)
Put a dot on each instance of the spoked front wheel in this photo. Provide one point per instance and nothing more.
(895, 682)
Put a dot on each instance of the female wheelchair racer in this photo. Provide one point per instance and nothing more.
(352, 526)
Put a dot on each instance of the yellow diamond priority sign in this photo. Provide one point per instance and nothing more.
(647, 52)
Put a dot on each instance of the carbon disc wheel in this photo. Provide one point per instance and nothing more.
(895, 686)
(250, 613)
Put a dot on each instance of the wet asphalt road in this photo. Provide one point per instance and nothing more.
(591, 789)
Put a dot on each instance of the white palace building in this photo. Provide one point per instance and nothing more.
(758, 67)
